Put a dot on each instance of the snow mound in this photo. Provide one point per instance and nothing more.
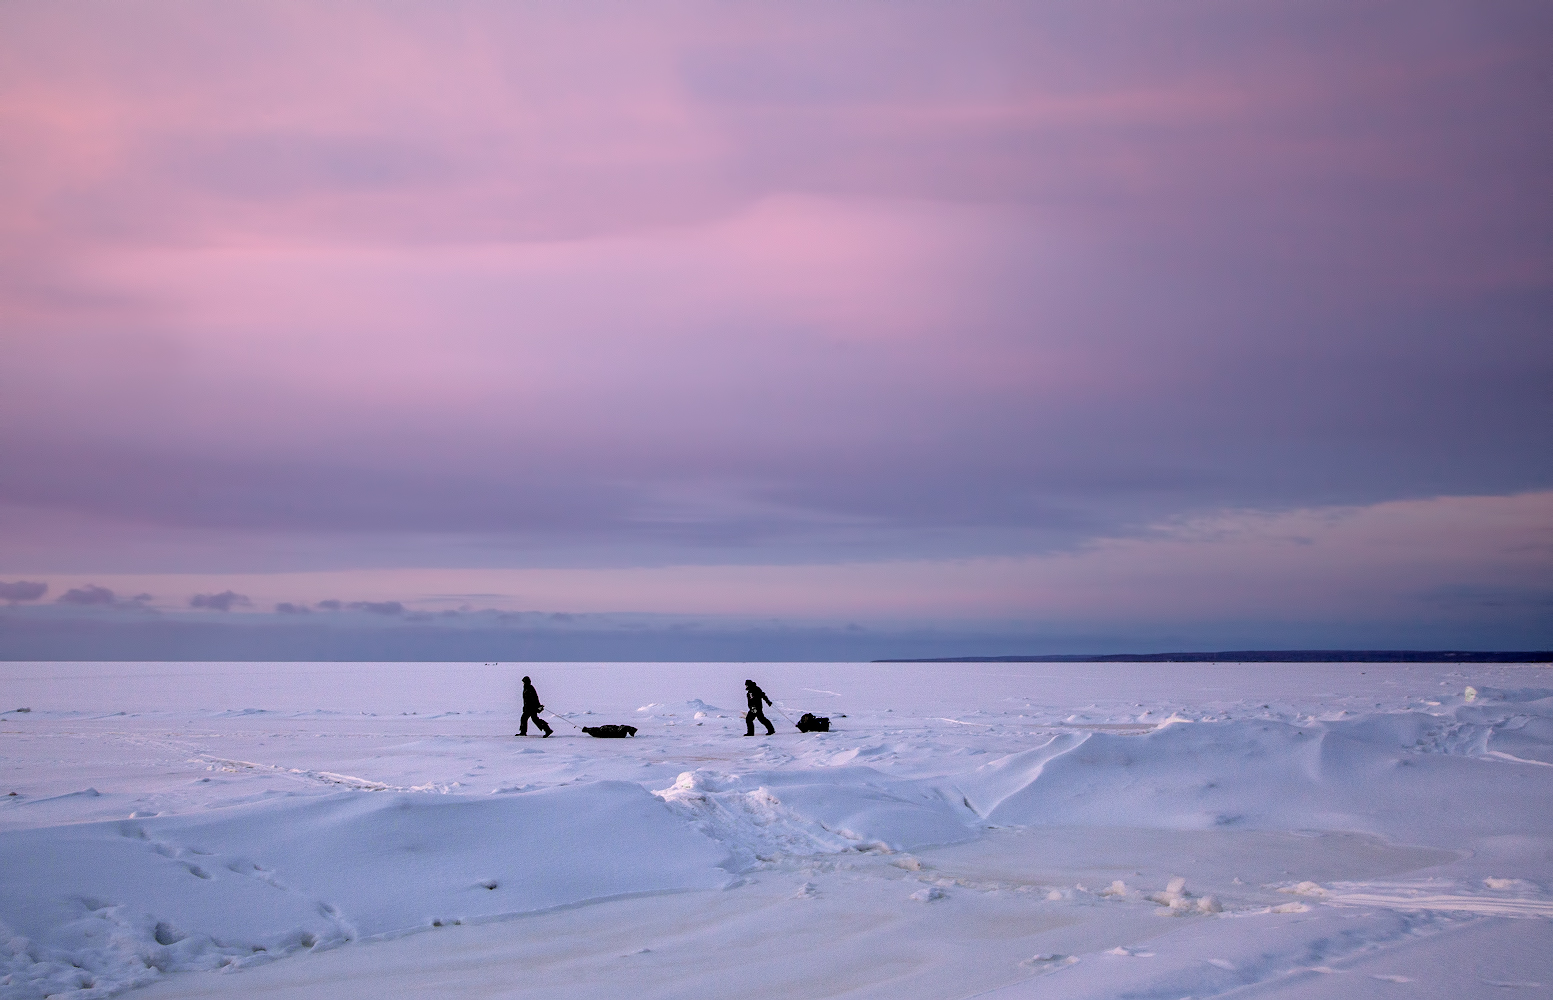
(679, 709)
(1380, 774)
(759, 818)
(100, 907)
(1519, 723)
(849, 756)
(752, 824)
(1492, 694)
(994, 782)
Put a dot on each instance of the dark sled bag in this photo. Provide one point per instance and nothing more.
(610, 732)
(809, 723)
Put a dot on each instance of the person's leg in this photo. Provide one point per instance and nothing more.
(523, 725)
(749, 723)
(761, 715)
(542, 724)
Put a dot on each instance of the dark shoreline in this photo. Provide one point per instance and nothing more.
(1265, 656)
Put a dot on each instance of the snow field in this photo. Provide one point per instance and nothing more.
(1013, 830)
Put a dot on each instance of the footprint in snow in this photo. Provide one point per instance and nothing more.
(165, 934)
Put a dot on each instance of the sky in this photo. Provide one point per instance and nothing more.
(686, 330)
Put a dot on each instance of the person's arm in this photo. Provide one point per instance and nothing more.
(766, 699)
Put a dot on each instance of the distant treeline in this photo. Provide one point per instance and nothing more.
(1268, 656)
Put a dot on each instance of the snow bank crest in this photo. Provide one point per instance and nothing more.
(96, 908)
(759, 818)
(752, 824)
(996, 781)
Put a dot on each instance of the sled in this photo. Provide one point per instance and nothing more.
(609, 732)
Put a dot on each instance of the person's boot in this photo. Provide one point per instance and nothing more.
(547, 733)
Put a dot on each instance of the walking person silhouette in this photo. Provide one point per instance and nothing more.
(531, 710)
(754, 695)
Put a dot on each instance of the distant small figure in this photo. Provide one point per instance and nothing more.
(754, 695)
(531, 710)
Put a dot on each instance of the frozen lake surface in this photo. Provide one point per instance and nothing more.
(997, 830)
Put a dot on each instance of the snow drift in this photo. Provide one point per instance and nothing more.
(1409, 776)
(102, 906)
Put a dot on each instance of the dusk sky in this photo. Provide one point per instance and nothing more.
(774, 331)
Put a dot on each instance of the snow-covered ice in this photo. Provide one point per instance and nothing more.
(1001, 830)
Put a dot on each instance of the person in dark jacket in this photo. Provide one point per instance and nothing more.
(531, 710)
(754, 695)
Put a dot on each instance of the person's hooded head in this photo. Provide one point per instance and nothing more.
(525, 680)
(749, 684)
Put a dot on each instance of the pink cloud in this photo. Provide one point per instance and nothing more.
(942, 290)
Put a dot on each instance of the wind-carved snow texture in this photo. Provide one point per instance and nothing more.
(330, 777)
(760, 818)
(1363, 775)
(1372, 828)
(753, 825)
(104, 906)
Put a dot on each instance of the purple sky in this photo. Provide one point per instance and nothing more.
(1198, 314)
